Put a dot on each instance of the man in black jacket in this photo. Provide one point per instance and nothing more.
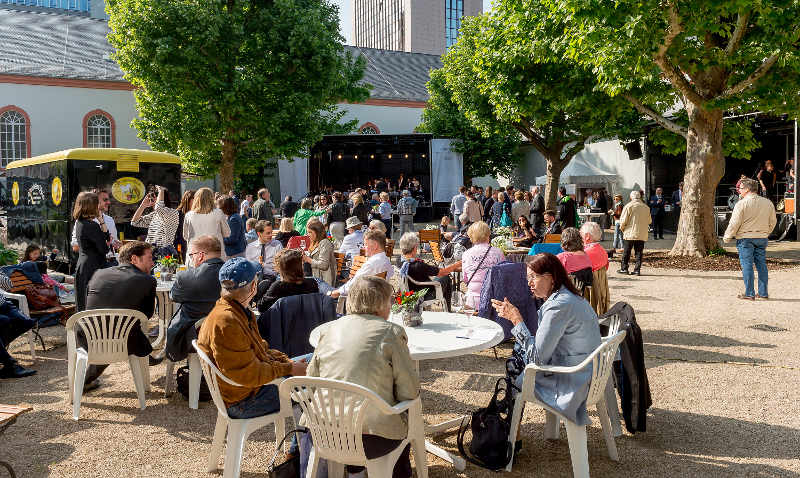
(126, 286)
(289, 207)
(537, 210)
(566, 210)
(196, 290)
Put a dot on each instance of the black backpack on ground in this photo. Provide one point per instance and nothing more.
(490, 448)
(182, 384)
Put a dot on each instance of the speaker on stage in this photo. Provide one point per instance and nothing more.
(634, 150)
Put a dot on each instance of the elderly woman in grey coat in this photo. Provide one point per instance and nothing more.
(568, 333)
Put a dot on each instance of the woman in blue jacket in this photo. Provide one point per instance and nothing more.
(568, 333)
(236, 242)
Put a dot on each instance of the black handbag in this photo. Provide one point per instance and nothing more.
(182, 384)
(289, 468)
(490, 426)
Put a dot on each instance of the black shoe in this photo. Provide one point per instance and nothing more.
(15, 370)
(155, 361)
(623, 271)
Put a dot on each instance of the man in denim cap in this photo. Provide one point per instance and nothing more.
(230, 337)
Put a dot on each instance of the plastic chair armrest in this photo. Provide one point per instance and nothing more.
(403, 406)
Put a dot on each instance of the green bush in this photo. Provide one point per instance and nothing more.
(717, 251)
(8, 256)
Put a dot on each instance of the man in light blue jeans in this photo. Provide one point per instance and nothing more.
(750, 251)
(752, 222)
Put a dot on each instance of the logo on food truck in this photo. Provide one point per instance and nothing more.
(56, 191)
(15, 193)
(128, 190)
(36, 195)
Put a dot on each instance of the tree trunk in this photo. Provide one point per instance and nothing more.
(705, 166)
(226, 167)
(555, 165)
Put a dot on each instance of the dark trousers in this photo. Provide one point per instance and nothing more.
(638, 247)
(658, 226)
(374, 447)
(12, 325)
(138, 345)
(447, 290)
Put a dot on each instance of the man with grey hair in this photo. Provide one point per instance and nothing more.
(537, 210)
(633, 223)
(364, 348)
(751, 224)
(420, 272)
(406, 209)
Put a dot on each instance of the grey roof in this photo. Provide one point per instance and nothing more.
(58, 45)
(397, 75)
(55, 45)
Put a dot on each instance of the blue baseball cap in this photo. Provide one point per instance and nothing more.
(238, 272)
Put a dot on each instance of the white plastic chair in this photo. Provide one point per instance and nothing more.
(601, 360)
(437, 303)
(237, 429)
(23, 307)
(337, 432)
(195, 372)
(613, 322)
(106, 332)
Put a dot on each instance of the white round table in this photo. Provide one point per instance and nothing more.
(444, 335)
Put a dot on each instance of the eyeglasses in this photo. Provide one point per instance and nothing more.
(192, 254)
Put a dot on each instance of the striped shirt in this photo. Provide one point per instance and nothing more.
(161, 224)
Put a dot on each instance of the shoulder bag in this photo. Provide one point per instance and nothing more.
(289, 468)
(490, 426)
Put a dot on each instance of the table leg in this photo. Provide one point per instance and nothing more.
(457, 461)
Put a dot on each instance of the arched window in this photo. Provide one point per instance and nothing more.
(14, 135)
(369, 128)
(98, 130)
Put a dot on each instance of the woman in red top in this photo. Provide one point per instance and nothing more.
(591, 233)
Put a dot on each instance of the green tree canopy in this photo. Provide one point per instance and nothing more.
(230, 84)
(486, 153)
(707, 57)
(499, 71)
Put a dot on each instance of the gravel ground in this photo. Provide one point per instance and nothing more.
(724, 393)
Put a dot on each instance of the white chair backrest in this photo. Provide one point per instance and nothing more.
(334, 412)
(106, 332)
(613, 322)
(211, 372)
(602, 362)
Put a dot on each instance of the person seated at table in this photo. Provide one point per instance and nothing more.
(196, 290)
(286, 231)
(230, 338)
(377, 225)
(263, 252)
(477, 260)
(33, 253)
(443, 229)
(524, 235)
(420, 271)
(575, 260)
(364, 348)
(378, 262)
(12, 325)
(351, 245)
(289, 264)
(568, 333)
(250, 234)
(591, 233)
(126, 286)
(550, 225)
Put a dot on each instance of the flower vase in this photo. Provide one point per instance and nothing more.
(412, 316)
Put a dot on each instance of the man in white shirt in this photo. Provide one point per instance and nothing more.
(264, 249)
(244, 208)
(104, 201)
(378, 262)
(751, 223)
(457, 206)
(351, 245)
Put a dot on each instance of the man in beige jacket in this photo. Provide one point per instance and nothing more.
(751, 224)
(364, 348)
(633, 223)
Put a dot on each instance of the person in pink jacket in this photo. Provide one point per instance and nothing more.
(477, 261)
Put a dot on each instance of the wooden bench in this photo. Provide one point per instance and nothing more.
(428, 235)
(552, 238)
(436, 251)
(340, 256)
(8, 415)
(19, 282)
(358, 261)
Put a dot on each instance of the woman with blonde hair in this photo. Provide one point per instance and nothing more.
(184, 207)
(477, 261)
(205, 219)
(360, 210)
(93, 239)
(286, 231)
